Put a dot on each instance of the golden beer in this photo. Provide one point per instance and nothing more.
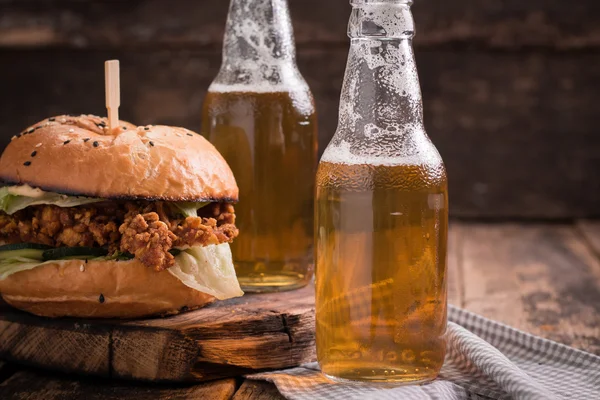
(381, 270)
(269, 140)
(381, 214)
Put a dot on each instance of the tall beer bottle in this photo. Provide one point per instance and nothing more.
(260, 114)
(381, 214)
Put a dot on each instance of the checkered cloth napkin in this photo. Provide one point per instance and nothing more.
(485, 360)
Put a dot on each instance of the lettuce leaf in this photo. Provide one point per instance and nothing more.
(206, 269)
(15, 198)
(17, 264)
(187, 208)
(209, 270)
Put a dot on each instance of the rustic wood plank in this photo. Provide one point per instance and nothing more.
(257, 390)
(40, 386)
(538, 101)
(228, 338)
(591, 233)
(76, 346)
(539, 278)
(455, 275)
(181, 23)
(271, 331)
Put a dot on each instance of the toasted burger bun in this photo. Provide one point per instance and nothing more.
(99, 289)
(79, 155)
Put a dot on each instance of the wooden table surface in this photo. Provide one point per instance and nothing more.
(541, 278)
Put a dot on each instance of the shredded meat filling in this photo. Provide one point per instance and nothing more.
(148, 230)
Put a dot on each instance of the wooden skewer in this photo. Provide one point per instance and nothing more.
(113, 92)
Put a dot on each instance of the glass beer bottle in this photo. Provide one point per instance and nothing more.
(381, 214)
(260, 114)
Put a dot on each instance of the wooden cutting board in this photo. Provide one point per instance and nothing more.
(229, 338)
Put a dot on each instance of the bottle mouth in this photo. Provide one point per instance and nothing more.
(375, 2)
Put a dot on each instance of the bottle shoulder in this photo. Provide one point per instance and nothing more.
(259, 77)
(413, 162)
(404, 144)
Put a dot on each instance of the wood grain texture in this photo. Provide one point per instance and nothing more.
(541, 279)
(591, 233)
(40, 386)
(511, 24)
(516, 131)
(257, 390)
(72, 345)
(229, 338)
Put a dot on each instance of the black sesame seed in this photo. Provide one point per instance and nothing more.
(27, 163)
(34, 153)
(66, 142)
(18, 135)
(101, 298)
(30, 131)
(151, 144)
(124, 128)
(189, 134)
(52, 119)
(96, 144)
(38, 127)
(146, 129)
(86, 139)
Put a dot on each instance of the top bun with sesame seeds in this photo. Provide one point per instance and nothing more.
(80, 155)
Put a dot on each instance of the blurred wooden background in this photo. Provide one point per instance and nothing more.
(510, 87)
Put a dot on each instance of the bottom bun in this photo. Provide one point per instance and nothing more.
(99, 289)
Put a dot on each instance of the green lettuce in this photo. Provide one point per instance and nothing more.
(15, 198)
(187, 208)
(207, 269)
(17, 264)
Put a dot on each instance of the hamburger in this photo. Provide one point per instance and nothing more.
(122, 223)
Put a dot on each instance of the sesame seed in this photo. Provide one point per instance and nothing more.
(151, 143)
(51, 119)
(101, 298)
(124, 128)
(27, 163)
(96, 144)
(71, 130)
(66, 142)
(38, 127)
(30, 131)
(14, 137)
(38, 145)
(18, 135)
(189, 134)
(81, 268)
(146, 129)
(34, 153)
(86, 139)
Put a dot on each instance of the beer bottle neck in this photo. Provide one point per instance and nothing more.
(380, 104)
(259, 43)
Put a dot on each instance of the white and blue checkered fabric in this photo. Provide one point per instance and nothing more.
(485, 360)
